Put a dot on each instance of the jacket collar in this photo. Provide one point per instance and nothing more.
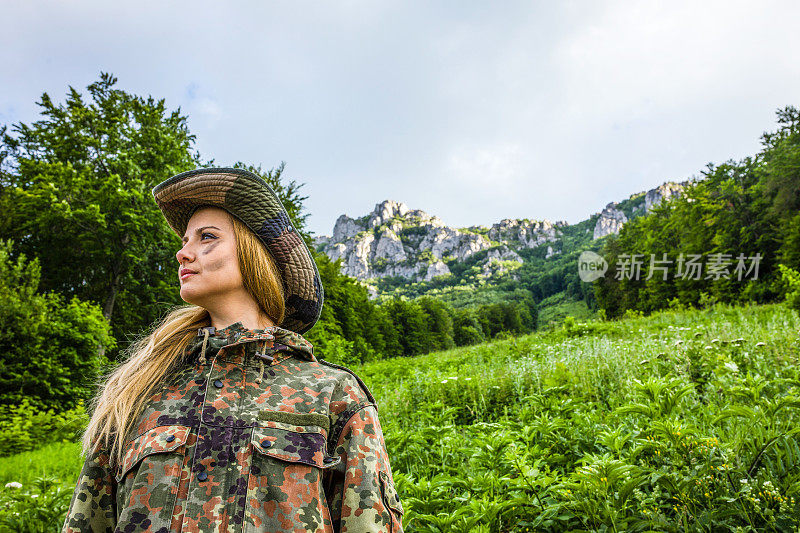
(276, 339)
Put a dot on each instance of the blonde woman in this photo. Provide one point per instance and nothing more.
(223, 418)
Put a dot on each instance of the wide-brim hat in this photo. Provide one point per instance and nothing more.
(248, 197)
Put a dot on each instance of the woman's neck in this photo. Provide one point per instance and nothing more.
(249, 316)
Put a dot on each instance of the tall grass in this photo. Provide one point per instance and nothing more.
(686, 420)
(59, 460)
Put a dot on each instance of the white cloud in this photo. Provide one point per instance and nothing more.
(494, 171)
(635, 59)
(472, 111)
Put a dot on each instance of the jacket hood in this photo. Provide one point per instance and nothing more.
(275, 339)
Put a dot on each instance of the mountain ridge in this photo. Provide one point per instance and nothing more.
(394, 240)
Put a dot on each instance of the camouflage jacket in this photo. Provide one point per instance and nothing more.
(252, 434)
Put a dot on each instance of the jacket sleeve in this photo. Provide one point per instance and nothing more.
(362, 496)
(93, 505)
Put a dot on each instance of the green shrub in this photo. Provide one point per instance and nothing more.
(791, 280)
(39, 507)
(25, 427)
(48, 347)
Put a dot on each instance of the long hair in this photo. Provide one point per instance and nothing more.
(149, 360)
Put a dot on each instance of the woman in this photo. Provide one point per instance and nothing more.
(224, 418)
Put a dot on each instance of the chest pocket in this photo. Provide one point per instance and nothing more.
(286, 488)
(149, 476)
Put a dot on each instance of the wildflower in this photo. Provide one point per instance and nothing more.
(444, 381)
(709, 347)
(13, 485)
(714, 340)
(733, 367)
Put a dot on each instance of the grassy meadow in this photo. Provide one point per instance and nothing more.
(686, 420)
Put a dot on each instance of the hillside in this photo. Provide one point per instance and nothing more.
(680, 421)
(395, 250)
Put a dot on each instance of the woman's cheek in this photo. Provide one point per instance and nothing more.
(216, 265)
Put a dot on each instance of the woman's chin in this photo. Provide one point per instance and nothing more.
(190, 296)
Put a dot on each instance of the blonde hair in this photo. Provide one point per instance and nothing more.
(149, 360)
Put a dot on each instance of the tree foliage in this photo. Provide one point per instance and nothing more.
(78, 183)
(48, 345)
(748, 208)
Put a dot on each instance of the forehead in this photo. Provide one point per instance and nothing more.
(213, 216)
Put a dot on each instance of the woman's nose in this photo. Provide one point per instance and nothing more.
(184, 254)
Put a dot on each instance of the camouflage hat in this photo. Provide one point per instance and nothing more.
(249, 198)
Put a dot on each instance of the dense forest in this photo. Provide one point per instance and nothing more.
(736, 212)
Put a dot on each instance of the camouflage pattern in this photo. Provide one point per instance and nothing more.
(253, 434)
(252, 201)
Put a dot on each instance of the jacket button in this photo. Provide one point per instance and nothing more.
(266, 443)
(202, 476)
(171, 438)
(218, 384)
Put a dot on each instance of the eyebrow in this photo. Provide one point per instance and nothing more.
(198, 231)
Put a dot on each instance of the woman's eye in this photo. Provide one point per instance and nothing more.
(203, 236)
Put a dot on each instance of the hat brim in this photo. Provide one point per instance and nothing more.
(249, 198)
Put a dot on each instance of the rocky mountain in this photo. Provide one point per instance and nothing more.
(394, 240)
(612, 218)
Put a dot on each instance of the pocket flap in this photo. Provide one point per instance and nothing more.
(157, 440)
(391, 497)
(301, 444)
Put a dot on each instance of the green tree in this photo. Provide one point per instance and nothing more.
(410, 323)
(467, 328)
(780, 181)
(440, 323)
(80, 181)
(48, 346)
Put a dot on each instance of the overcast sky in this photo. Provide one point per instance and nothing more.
(472, 111)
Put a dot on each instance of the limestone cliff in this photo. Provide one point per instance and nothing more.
(394, 240)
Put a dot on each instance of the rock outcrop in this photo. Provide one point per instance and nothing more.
(529, 234)
(667, 190)
(610, 221)
(394, 240)
(612, 218)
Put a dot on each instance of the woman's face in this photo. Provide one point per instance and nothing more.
(209, 252)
